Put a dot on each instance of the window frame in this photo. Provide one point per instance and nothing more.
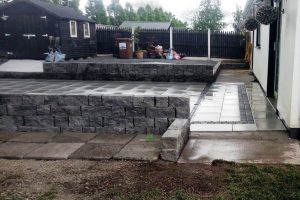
(89, 30)
(76, 30)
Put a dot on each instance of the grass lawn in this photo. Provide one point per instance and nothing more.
(120, 180)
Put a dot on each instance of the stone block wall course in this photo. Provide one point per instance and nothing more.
(158, 71)
(100, 114)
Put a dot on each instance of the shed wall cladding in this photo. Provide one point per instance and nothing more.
(26, 19)
(77, 47)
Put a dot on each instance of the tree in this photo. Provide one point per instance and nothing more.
(116, 13)
(209, 16)
(96, 11)
(2, 2)
(237, 19)
(71, 3)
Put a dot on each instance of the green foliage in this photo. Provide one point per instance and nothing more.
(238, 19)
(96, 11)
(209, 16)
(116, 14)
(71, 3)
(2, 2)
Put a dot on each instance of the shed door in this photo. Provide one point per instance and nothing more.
(26, 36)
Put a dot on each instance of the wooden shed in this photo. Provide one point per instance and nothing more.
(27, 26)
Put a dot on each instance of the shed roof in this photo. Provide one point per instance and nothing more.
(146, 25)
(63, 12)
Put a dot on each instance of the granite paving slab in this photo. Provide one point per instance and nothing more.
(5, 136)
(54, 151)
(141, 149)
(112, 138)
(241, 150)
(15, 150)
(34, 137)
(97, 151)
(73, 137)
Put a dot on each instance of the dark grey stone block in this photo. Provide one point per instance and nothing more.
(118, 122)
(43, 110)
(95, 100)
(96, 121)
(136, 130)
(61, 121)
(33, 100)
(74, 100)
(39, 121)
(143, 122)
(161, 102)
(155, 112)
(77, 129)
(126, 101)
(51, 100)
(96, 111)
(24, 128)
(11, 121)
(17, 110)
(161, 122)
(118, 111)
(10, 99)
(3, 110)
(183, 112)
(78, 121)
(65, 110)
(143, 101)
(135, 112)
(89, 129)
(179, 101)
(111, 130)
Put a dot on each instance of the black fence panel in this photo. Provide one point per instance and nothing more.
(106, 37)
(192, 43)
(227, 45)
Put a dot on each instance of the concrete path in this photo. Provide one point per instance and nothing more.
(47, 146)
(22, 66)
(240, 125)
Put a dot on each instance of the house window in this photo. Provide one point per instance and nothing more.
(86, 30)
(258, 36)
(73, 28)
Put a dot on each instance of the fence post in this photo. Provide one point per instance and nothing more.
(208, 35)
(171, 37)
(132, 36)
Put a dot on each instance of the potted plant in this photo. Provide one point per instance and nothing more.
(139, 53)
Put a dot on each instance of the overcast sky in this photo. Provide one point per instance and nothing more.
(182, 9)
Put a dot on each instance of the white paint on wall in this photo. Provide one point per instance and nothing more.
(261, 56)
(288, 102)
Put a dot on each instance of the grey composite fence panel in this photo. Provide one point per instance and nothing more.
(192, 43)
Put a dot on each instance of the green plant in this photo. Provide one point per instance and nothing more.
(150, 137)
(136, 37)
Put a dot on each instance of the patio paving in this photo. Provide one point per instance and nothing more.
(73, 137)
(22, 66)
(13, 150)
(33, 137)
(53, 151)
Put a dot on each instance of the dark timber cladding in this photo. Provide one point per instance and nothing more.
(27, 26)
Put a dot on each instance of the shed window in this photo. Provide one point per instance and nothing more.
(73, 28)
(86, 30)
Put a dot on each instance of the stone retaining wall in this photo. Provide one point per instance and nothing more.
(133, 71)
(101, 114)
(174, 139)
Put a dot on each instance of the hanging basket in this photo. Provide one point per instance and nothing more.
(266, 15)
(251, 24)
